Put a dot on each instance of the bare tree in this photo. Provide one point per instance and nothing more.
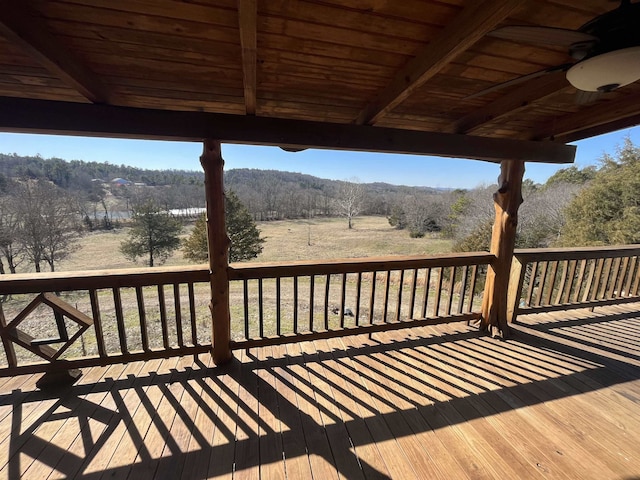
(49, 220)
(349, 199)
(11, 248)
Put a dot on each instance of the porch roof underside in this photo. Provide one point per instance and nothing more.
(559, 400)
(356, 74)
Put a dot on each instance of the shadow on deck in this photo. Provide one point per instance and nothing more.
(558, 400)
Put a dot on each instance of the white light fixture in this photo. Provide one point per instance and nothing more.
(607, 71)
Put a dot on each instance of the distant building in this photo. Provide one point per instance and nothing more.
(120, 182)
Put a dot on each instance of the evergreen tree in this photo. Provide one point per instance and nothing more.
(607, 211)
(154, 234)
(241, 229)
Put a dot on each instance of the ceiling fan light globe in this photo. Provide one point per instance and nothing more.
(607, 71)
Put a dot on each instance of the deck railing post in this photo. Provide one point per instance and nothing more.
(218, 245)
(507, 200)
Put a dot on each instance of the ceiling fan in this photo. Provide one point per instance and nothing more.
(605, 50)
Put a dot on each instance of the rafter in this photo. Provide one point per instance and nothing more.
(619, 124)
(520, 98)
(602, 118)
(26, 29)
(248, 18)
(39, 116)
(475, 20)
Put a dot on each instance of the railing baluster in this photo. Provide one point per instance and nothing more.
(326, 301)
(163, 317)
(450, 285)
(372, 299)
(412, 298)
(295, 304)
(463, 288)
(387, 285)
(593, 265)
(472, 287)
(636, 282)
(601, 283)
(192, 314)
(400, 287)
(311, 301)
(425, 296)
(178, 313)
(245, 294)
(580, 276)
(278, 309)
(610, 277)
(630, 276)
(144, 337)
(117, 302)
(97, 323)
(621, 274)
(532, 283)
(571, 276)
(358, 294)
(343, 295)
(564, 266)
(552, 283)
(260, 309)
(541, 283)
(436, 305)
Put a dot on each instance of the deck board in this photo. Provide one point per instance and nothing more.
(559, 400)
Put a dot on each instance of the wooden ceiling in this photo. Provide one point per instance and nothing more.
(409, 66)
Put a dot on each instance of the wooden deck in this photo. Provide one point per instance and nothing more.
(559, 400)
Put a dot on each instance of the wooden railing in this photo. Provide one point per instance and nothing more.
(282, 303)
(121, 315)
(68, 320)
(560, 279)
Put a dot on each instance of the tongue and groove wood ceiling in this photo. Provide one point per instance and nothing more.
(403, 64)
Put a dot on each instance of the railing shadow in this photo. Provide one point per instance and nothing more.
(314, 407)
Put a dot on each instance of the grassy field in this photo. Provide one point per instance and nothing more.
(285, 240)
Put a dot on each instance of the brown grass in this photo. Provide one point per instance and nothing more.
(285, 240)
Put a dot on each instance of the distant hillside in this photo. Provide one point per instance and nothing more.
(77, 174)
(268, 194)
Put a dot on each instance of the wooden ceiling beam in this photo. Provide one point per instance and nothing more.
(473, 23)
(608, 127)
(512, 102)
(41, 116)
(248, 23)
(599, 119)
(26, 29)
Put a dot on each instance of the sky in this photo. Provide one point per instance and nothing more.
(413, 170)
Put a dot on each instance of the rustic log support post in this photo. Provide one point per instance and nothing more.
(507, 200)
(218, 245)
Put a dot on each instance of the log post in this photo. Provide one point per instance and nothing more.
(218, 246)
(507, 200)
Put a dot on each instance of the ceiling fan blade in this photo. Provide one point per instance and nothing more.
(518, 80)
(542, 35)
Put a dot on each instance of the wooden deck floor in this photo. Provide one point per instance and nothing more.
(559, 400)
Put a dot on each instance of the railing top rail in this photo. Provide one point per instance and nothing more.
(138, 277)
(575, 253)
(96, 279)
(354, 265)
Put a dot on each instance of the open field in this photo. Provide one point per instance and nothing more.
(285, 240)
